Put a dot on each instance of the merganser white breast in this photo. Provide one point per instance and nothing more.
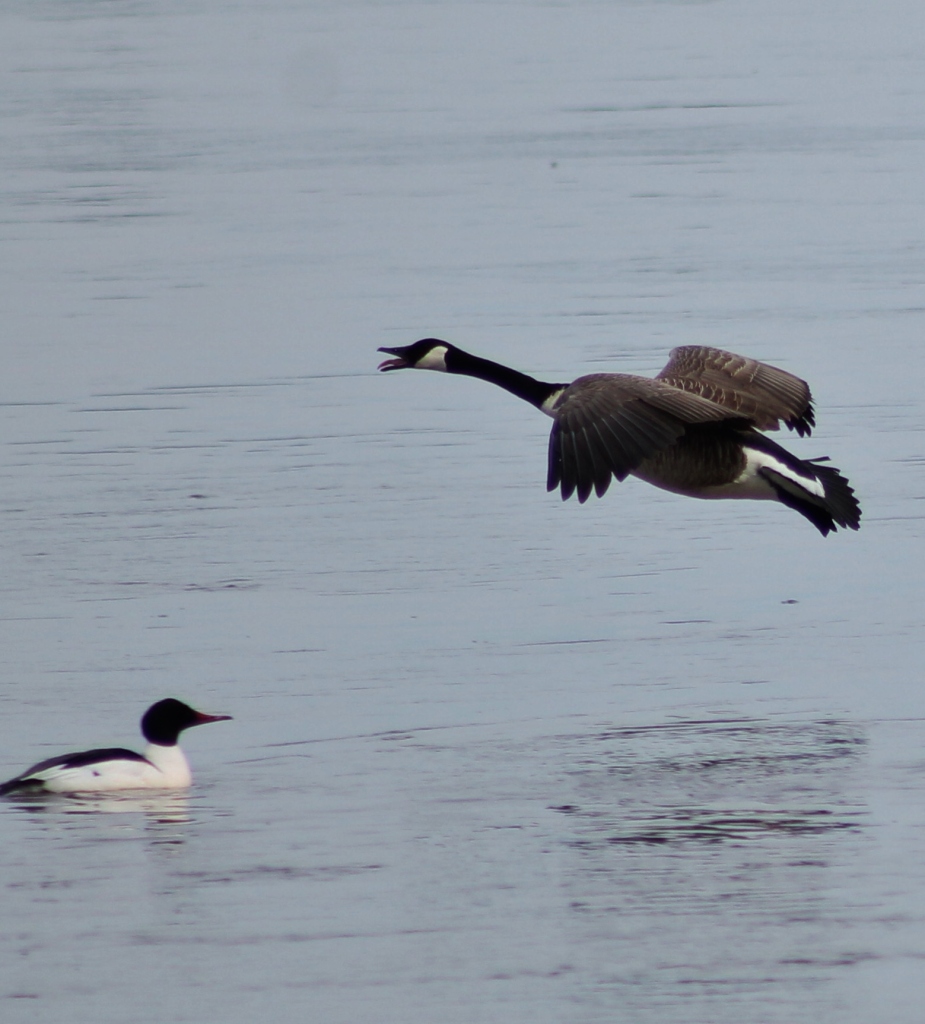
(163, 764)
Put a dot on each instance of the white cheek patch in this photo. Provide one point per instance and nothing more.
(435, 359)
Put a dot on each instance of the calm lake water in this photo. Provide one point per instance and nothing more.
(494, 757)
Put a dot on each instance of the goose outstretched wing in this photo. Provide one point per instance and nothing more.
(763, 394)
(607, 424)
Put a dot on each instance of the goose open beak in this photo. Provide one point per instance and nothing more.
(398, 363)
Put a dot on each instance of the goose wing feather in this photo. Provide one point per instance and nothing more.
(756, 391)
(608, 424)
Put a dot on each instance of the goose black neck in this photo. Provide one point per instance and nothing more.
(528, 388)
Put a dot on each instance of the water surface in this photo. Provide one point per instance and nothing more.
(494, 757)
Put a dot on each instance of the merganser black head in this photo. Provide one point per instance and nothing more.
(163, 722)
(426, 354)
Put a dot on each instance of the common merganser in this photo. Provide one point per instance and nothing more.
(163, 765)
(693, 430)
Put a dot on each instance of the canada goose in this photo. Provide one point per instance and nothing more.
(694, 429)
(162, 766)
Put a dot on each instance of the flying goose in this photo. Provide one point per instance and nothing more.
(162, 766)
(695, 429)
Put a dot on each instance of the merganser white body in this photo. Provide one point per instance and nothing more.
(163, 764)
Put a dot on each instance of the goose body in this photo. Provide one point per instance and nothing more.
(695, 429)
(163, 764)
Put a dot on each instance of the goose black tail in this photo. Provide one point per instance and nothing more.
(838, 506)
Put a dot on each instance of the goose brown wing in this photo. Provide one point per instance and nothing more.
(608, 424)
(761, 393)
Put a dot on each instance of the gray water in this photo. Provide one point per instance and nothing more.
(494, 757)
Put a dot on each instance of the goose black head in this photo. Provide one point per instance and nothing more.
(426, 354)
